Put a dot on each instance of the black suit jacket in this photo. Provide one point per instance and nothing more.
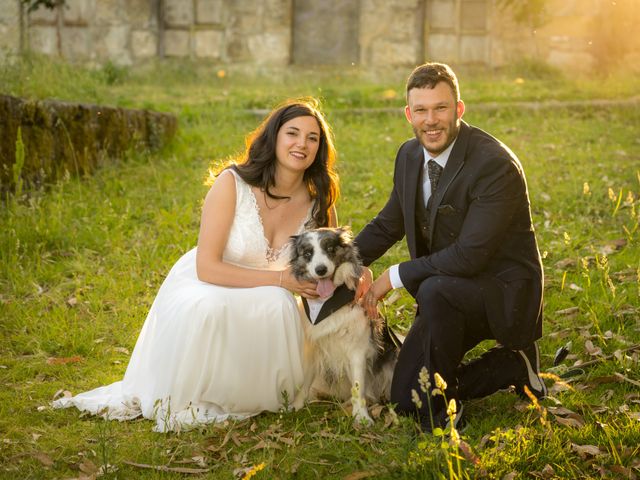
(481, 228)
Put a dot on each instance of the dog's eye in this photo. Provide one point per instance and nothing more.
(307, 255)
(331, 249)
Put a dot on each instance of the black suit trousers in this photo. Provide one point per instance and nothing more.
(451, 319)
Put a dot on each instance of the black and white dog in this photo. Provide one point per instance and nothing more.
(347, 355)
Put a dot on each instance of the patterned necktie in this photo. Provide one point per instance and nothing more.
(435, 170)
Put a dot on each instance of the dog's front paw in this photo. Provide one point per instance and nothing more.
(298, 403)
(361, 418)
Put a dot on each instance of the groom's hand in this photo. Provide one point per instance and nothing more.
(375, 293)
(366, 279)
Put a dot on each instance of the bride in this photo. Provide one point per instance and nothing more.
(223, 338)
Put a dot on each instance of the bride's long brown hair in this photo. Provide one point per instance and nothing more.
(257, 165)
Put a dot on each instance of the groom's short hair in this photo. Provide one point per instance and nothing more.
(430, 74)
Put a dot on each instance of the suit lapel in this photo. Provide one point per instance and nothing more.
(453, 167)
(415, 161)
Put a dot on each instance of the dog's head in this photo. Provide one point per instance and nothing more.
(317, 255)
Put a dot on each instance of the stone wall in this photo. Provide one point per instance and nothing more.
(369, 33)
(64, 137)
(9, 27)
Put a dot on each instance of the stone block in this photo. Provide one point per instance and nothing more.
(141, 13)
(177, 43)
(210, 11)
(78, 12)
(76, 43)
(277, 15)
(473, 49)
(111, 43)
(270, 49)
(43, 39)
(43, 16)
(386, 53)
(178, 13)
(441, 14)
(9, 12)
(144, 43)
(208, 43)
(474, 15)
(110, 12)
(442, 47)
(9, 26)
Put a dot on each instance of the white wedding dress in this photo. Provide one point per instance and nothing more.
(207, 353)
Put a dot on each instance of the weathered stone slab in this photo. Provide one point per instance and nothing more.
(144, 44)
(65, 137)
(208, 43)
(176, 43)
(77, 12)
(43, 39)
(209, 11)
(178, 13)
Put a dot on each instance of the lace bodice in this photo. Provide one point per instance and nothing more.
(247, 245)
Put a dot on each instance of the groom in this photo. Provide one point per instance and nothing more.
(460, 198)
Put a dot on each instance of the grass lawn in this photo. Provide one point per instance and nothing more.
(81, 261)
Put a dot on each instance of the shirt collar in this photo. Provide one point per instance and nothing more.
(442, 158)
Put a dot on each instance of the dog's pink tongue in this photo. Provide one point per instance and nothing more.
(325, 288)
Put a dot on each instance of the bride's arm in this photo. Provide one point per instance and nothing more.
(217, 217)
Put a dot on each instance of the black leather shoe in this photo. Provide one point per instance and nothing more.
(530, 357)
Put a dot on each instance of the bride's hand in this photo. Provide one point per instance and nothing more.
(304, 288)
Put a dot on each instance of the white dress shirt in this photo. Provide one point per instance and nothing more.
(441, 160)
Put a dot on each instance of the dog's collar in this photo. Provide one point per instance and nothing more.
(341, 296)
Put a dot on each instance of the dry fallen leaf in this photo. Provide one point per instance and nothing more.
(623, 472)
(586, 450)
(63, 360)
(569, 422)
(87, 467)
(62, 393)
(548, 471)
(565, 262)
(359, 475)
(43, 458)
(591, 349)
(571, 311)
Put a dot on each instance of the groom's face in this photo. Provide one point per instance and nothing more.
(435, 116)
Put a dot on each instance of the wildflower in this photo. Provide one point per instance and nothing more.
(253, 470)
(415, 398)
(612, 195)
(585, 189)
(452, 408)
(455, 436)
(221, 73)
(423, 380)
(440, 383)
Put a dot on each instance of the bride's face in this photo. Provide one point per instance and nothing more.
(297, 143)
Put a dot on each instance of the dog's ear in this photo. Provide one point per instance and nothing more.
(345, 234)
(293, 239)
